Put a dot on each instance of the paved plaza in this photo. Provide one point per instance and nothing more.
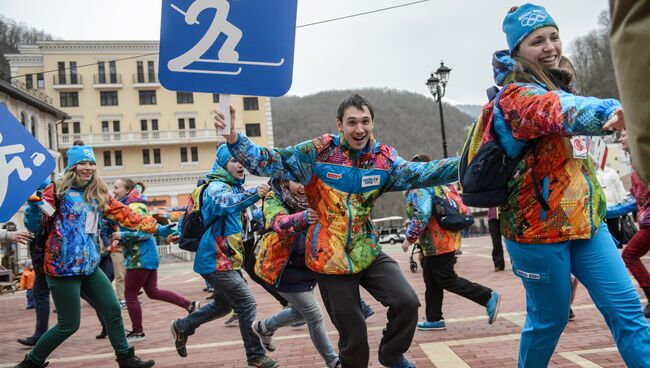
(468, 340)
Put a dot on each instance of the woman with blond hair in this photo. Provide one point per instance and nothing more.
(79, 201)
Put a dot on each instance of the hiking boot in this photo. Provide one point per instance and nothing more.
(263, 362)
(130, 360)
(135, 336)
(266, 337)
(193, 306)
(492, 307)
(431, 325)
(180, 340)
(233, 320)
(27, 363)
(28, 341)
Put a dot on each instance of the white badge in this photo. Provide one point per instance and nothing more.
(579, 144)
(370, 181)
(91, 222)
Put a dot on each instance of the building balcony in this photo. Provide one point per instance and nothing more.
(148, 138)
(146, 81)
(107, 81)
(67, 82)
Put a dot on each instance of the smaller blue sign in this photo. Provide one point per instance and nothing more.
(24, 164)
(228, 46)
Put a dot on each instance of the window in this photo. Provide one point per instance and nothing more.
(40, 81)
(140, 74)
(118, 158)
(156, 155)
(253, 130)
(151, 72)
(108, 98)
(195, 154)
(69, 99)
(154, 124)
(183, 154)
(61, 69)
(143, 125)
(112, 70)
(76, 129)
(215, 97)
(191, 126)
(147, 97)
(107, 158)
(33, 126)
(250, 103)
(29, 81)
(101, 72)
(50, 137)
(64, 129)
(146, 160)
(184, 97)
(73, 73)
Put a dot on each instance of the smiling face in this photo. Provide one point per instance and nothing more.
(119, 189)
(85, 171)
(235, 169)
(356, 125)
(543, 46)
(296, 188)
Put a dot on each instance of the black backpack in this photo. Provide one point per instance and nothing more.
(192, 225)
(449, 216)
(485, 178)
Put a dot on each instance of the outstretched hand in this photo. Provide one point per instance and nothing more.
(165, 230)
(405, 245)
(21, 236)
(220, 123)
(617, 122)
(263, 190)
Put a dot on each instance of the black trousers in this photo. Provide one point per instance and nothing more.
(249, 267)
(385, 282)
(439, 275)
(497, 245)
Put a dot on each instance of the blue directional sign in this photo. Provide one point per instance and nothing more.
(242, 47)
(24, 164)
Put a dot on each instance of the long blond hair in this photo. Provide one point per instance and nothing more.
(96, 189)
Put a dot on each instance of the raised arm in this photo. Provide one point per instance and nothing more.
(126, 217)
(407, 175)
(221, 200)
(532, 111)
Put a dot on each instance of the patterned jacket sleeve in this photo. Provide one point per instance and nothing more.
(279, 218)
(126, 217)
(405, 175)
(622, 208)
(420, 201)
(34, 217)
(533, 112)
(292, 163)
(134, 236)
(222, 200)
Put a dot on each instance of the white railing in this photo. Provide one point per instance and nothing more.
(174, 250)
(157, 137)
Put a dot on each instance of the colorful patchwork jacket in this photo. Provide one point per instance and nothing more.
(525, 111)
(286, 237)
(71, 248)
(342, 185)
(221, 248)
(140, 249)
(424, 227)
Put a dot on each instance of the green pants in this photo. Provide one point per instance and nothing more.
(66, 293)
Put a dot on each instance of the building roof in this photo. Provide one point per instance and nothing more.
(31, 99)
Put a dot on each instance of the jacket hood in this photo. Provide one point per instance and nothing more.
(502, 66)
(224, 176)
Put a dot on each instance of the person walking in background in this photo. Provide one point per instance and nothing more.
(438, 247)
(80, 199)
(564, 234)
(117, 258)
(27, 283)
(497, 244)
(614, 193)
(219, 257)
(281, 263)
(343, 175)
(141, 255)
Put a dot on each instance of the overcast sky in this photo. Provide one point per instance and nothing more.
(394, 49)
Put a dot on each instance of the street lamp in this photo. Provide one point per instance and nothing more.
(436, 84)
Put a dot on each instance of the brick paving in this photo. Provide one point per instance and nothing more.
(468, 341)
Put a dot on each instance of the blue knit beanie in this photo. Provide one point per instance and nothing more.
(521, 22)
(77, 154)
(223, 155)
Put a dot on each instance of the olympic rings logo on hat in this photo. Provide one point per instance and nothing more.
(532, 18)
(89, 154)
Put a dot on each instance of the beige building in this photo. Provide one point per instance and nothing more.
(34, 110)
(139, 129)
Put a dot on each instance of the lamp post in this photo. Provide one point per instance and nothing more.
(436, 84)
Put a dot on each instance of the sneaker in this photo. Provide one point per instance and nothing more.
(180, 340)
(233, 320)
(123, 304)
(367, 311)
(571, 314)
(431, 325)
(265, 337)
(263, 362)
(403, 363)
(135, 336)
(28, 341)
(102, 334)
(194, 306)
(492, 307)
